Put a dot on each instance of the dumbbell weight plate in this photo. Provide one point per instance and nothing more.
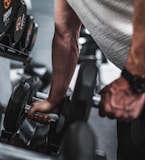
(20, 22)
(81, 102)
(15, 110)
(18, 104)
(79, 143)
(26, 37)
(35, 83)
(33, 37)
(20, 97)
(7, 11)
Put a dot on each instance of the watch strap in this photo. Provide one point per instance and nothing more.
(127, 75)
(136, 82)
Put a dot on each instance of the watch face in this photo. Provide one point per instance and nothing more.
(138, 84)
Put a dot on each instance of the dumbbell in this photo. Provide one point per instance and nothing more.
(20, 22)
(15, 31)
(27, 34)
(33, 37)
(35, 69)
(88, 47)
(20, 97)
(40, 70)
(75, 107)
(80, 143)
(7, 12)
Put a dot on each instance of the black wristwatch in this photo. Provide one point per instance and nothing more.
(137, 83)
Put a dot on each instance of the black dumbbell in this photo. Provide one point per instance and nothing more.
(76, 107)
(19, 23)
(27, 34)
(88, 47)
(40, 70)
(7, 12)
(15, 31)
(21, 95)
(79, 143)
(33, 37)
(81, 96)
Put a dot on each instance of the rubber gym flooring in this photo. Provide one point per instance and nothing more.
(104, 129)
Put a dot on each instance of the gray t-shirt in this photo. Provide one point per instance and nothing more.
(110, 24)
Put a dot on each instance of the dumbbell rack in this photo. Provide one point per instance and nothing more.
(11, 53)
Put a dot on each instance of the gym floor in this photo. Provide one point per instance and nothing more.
(104, 129)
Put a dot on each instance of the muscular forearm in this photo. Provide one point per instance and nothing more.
(64, 50)
(136, 58)
(65, 58)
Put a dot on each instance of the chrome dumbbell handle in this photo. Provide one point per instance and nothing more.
(54, 117)
(96, 100)
(39, 96)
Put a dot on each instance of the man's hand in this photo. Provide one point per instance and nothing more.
(120, 102)
(43, 106)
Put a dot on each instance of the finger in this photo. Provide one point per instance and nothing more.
(46, 119)
(106, 111)
(39, 118)
(135, 113)
(106, 104)
(33, 109)
(136, 107)
(101, 110)
(105, 108)
(127, 117)
(118, 113)
(43, 119)
(102, 113)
